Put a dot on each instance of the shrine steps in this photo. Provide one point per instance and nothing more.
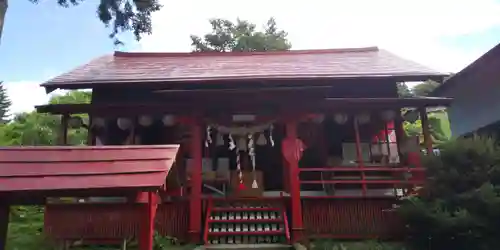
(246, 223)
(247, 246)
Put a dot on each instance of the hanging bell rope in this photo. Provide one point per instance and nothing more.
(271, 135)
(251, 153)
(232, 145)
(208, 140)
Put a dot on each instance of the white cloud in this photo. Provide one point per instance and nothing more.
(409, 28)
(25, 95)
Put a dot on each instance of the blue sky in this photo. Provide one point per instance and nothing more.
(44, 40)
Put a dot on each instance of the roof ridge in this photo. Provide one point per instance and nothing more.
(273, 53)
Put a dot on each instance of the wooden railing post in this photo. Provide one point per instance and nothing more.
(196, 172)
(426, 131)
(63, 134)
(147, 224)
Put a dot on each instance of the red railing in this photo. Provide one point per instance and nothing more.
(351, 219)
(366, 178)
(104, 222)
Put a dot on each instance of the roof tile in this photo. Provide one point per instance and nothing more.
(196, 66)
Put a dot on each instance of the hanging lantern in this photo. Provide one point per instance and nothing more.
(340, 118)
(98, 122)
(168, 120)
(124, 123)
(363, 118)
(145, 120)
(388, 115)
(319, 118)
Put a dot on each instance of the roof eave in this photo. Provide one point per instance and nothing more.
(452, 81)
(51, 86)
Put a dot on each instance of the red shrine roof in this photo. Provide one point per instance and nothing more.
(124, 67)
(73, 171)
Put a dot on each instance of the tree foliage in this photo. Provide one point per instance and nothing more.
(425, 88)
(119, 15)
(460, 207)
(32, 128)
(403, 90)
(227, 36)
(5, 104)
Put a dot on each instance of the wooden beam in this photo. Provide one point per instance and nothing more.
(232, 91)
(308, 105)
(4, 225)
(426, 131)
(63, 136)
(196, 185)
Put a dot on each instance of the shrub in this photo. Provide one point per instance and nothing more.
(460, 205)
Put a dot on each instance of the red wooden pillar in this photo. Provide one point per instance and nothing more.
(292, 151)
(196, 172)
(359, 154)
(426, 131)
(4, 225)
(146, 232)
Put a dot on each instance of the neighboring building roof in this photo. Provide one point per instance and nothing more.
(69, 171)
(486, 59)
(123, 67)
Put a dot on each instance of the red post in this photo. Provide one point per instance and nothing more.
(196, 172)
(147, 225)
(426, 131)
(292, 146)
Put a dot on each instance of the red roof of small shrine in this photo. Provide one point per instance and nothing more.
(123, 67)
(70, 170)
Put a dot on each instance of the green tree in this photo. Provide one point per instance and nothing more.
(227, 36)
(120, 15)
(403, 90)
(459, 207)
(4, 104)
(43, 129)
(425, 88)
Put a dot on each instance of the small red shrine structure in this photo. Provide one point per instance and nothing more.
(274, 146)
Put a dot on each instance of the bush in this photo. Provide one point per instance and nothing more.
(460, 205)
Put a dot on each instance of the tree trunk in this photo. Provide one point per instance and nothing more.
(3, 10)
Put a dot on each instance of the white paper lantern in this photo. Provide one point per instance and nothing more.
(388, 115)
(319, 118)
(340, 118)
(124, 123)
(363, 118)
(168, 120)
(145, 120)
(98, 122)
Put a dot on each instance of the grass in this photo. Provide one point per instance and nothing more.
(356, 245)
